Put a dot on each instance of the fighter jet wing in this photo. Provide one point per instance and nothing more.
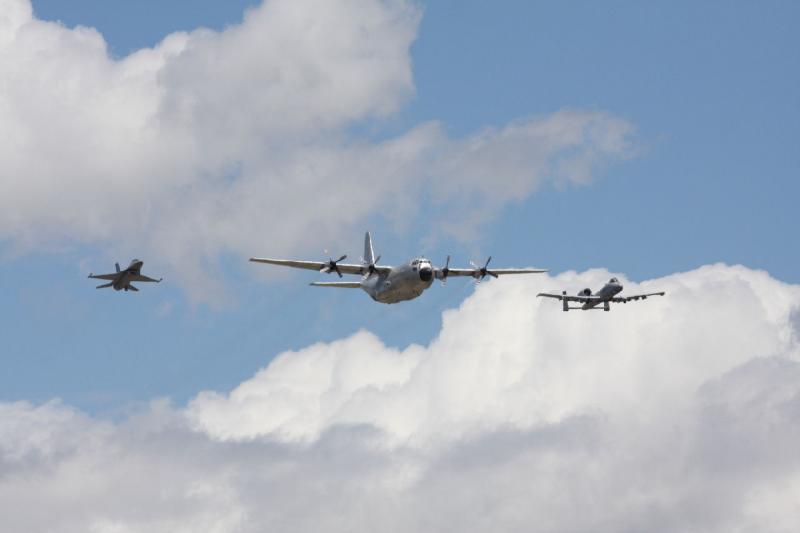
(498, 271)
(626, 299)
(344, 268)
(569, 298)
(139, 277)
(109, 277)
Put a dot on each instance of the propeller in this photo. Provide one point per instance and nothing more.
(481, 272)
(332, 266)
(371, 266)
(445, 271)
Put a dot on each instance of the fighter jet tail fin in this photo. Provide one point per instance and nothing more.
(132, 288)
(117, 265)
(369, 253)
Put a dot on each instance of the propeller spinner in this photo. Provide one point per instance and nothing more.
(371, 266)
(443, 273)
(332, 266)
(481, 272)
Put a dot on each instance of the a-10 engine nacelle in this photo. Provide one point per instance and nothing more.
(585, 292)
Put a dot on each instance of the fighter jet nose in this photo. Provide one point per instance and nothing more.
(426, 274)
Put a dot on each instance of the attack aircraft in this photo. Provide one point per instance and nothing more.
(604, 296)
(392, 284)
(121, 279)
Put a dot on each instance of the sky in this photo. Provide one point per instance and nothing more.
(654, 142)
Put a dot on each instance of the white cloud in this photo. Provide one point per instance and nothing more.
(680, 413)
(241, 141)
(500, 363)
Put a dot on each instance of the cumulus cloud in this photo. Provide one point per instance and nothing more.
(515, 370)
(214, 143)
(680, 413)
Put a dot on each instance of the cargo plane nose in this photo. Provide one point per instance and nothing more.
(426, 273)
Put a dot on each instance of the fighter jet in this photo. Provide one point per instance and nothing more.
(121, 279)
(392, 284)
(604, 296)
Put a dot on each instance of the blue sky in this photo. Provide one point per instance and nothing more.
(711, 89)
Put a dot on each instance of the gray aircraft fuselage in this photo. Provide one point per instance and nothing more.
(609, 290)
(401, 283)
(123, 281)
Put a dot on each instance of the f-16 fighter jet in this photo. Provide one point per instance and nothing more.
(604, 296)
(392, 284)
(121, 279)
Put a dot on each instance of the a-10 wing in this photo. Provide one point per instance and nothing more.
(593, 298)
(626, 299)
(344, 268)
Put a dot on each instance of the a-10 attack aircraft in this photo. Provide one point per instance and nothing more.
(392, 284)
(121, 279)
(604, 296)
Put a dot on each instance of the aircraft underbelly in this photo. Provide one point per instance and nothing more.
(604, 295)
(120, 283)
(401, 290)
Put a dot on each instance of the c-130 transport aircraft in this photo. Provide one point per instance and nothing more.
(604, 296)
(392, 284)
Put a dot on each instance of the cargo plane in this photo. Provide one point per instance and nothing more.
(392, 284)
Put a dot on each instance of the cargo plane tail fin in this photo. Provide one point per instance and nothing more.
(369, 253)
